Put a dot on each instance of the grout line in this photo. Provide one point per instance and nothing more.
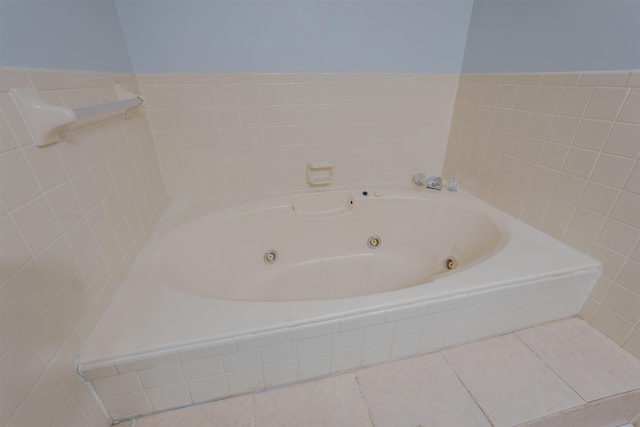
(254, 412)
(442, 353)
(364, 399)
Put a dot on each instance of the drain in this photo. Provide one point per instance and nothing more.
(450, 263)
(270, 256)
(374, 242)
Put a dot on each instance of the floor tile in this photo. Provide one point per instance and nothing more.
(523, 379)
(334, 401)
(565, 418)
(236, 411)
(593, 365)
(419, 391)
(611, 412)
(509, 382)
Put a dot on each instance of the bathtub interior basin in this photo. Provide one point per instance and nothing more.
(326, 245)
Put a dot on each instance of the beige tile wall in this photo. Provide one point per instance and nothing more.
(233, 135)
(560, 151)
(73, 217)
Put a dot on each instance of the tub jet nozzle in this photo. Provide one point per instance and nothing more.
(450, 263)
(374, 242)
(270, 256)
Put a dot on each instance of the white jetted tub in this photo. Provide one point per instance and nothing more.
(230, 299)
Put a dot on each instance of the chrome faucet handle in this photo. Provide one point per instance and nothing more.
(434, 183)
(453, 184)
(419, 179)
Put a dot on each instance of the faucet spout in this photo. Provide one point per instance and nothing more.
(434, 183)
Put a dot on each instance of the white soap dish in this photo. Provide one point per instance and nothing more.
(320, 173)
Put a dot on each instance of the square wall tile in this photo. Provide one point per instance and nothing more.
(17, 183)
(576, 165)
(605, 103)
(56, 266)
(37, 224)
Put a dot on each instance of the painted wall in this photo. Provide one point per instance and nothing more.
(553, 35)
(213, 36)
(62, 34)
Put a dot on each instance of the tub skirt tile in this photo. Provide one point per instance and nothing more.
(161, 376)
(314, 346)
(209, 388)
(241, 360)
(128, 405)
(278, 353)
(117, 384)
(227, 367)
(314, 330)
(207, 350)
(405, 346)
(377, 352)
(347, 339)
(459, 334)
(99, 370)
(448, 303)
(167, 397)
(244, 381)
(314, 367)
(432, 340)
(361, 320)
(138, 363)
(378, 333)
(346, 360)
(405, 312)
(262, 339)
(202, 368)
(280, 373)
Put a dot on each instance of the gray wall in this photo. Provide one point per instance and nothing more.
(207, 36)
(553, 35)
(62, 34)
(321, 35)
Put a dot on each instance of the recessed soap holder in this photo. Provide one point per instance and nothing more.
(320, 173)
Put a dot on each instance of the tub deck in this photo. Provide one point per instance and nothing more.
(155, 334)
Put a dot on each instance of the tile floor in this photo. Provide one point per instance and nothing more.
(560, 374)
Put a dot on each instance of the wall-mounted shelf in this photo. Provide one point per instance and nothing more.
(45, 120)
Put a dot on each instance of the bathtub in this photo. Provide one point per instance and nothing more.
(233, 297)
